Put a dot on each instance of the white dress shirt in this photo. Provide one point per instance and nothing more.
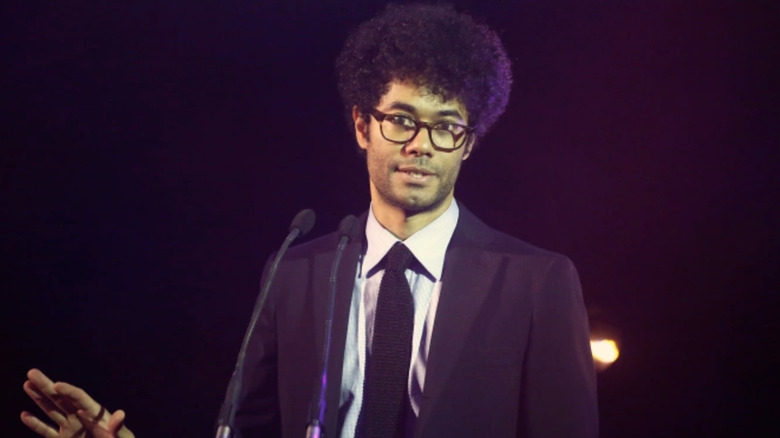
(429, 246)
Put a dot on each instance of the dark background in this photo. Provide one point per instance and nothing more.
(153, 154)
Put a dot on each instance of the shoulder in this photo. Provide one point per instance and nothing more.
(549, 277)
(324, 245)
(473, 231)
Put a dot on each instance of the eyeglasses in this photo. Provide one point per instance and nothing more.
(445, 136)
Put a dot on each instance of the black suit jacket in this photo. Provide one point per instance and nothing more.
(509, 355)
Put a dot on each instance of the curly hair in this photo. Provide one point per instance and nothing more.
(431, 45)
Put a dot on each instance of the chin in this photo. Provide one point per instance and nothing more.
(418, 205)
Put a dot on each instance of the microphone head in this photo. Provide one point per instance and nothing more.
(303, 221)
(349, 227)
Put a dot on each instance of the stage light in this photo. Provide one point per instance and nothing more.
(604, 339)
(605, 352)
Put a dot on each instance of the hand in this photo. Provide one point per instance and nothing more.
(76, 414)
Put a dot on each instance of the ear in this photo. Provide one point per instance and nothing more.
(468, 147)
(361, 128)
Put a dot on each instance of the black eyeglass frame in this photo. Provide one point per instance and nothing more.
(468, 131)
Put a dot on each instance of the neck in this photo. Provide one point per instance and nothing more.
(403, 223)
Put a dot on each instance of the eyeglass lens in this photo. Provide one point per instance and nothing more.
(404, 130)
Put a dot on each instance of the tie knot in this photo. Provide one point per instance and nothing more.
(398, 258)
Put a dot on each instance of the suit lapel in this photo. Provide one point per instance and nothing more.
(465, 285)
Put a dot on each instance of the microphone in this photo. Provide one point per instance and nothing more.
(348, 230)
(301, 224)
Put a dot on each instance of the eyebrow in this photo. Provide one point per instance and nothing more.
(411, 109)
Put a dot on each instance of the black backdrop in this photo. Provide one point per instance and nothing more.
(153, 154)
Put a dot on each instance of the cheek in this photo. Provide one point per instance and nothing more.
(377, 164)
(454, 167)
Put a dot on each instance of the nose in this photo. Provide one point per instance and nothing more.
(420, 144)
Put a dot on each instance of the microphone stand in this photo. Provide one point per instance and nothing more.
(301, 224)
(348, 228)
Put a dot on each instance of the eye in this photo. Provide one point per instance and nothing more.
(401, 121)
(449, 127)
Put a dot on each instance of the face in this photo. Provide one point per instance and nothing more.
(412, 177)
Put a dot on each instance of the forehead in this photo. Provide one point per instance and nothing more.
(418, 99)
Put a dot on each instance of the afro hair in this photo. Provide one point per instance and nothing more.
(430, 45)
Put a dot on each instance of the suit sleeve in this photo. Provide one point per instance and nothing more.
(558, 396)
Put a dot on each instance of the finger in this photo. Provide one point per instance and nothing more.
(95, 429)
(37, 425)
(91, 421)
(82, 401)
(45, 403)
(114, 429)
(117, 421)
(117, 425)
(46, 388)
(40, 379)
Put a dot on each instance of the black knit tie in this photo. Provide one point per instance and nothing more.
(385, 395)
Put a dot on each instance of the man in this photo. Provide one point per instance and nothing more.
(491, 334)
(499, 344)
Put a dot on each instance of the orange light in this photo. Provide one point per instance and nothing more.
(605, 352)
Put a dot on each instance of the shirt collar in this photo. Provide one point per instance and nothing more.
(428, 245)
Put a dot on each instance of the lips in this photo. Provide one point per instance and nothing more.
(415, 172)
